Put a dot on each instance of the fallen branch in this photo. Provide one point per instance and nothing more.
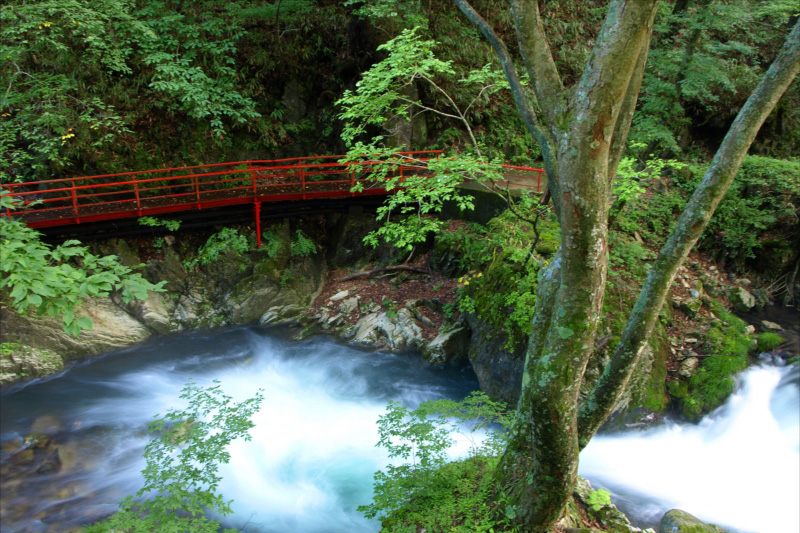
(369, 273)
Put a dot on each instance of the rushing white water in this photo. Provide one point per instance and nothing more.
(739, 468)
(313, 453)
(312, 457)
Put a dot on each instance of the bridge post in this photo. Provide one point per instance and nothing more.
(75, 203)
(135, 178)
(257, 206)
(253, 178)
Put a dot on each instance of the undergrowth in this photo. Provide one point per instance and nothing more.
(727, 344)
(424, 490)
(500, 271)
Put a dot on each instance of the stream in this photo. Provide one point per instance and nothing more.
(313, 453)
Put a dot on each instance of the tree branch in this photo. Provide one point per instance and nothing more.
(537, 57)
(520, 98)
(625, 117)
(689, 227)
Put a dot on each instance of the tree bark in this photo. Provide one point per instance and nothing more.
(689, 227)
(583, 132)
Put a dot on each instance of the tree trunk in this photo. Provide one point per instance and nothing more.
(688, 229)
(583, 132)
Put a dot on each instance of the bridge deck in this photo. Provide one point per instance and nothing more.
(69, 201)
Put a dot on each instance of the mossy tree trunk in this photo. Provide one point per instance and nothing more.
(582, 132)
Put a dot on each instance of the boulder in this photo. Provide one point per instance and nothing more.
(677, 521)
(450, 345)
(112, 328)
(741, 299)
(281, 314)
(397, 330)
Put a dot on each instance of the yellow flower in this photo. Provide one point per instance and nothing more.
(47, 24)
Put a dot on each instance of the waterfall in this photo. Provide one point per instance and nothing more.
(738, 468)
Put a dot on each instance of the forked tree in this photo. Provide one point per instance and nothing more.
(582, 131)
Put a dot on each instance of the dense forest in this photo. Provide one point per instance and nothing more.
(648, 118)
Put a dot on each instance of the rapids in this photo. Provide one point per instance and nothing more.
(313, 454)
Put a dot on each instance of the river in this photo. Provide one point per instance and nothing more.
(312, 456)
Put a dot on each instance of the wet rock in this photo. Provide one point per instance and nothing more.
(397, 330)
(281, 314)
(48, 425)
(18, 361)
(450, 345)
(677, 521)
(609, 517)
(48, 463)
(741, 299)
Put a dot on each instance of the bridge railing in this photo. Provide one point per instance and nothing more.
(129, 194)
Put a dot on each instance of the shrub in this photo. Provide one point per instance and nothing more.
(182, 463)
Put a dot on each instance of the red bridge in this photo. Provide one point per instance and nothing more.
(61, 202)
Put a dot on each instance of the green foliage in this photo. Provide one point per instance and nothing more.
(425, 490)
(391, 307)
(171, 225)
(8, 348)
(502, 279)
(768, 341)
(271, 243)
(763, 198)
(302, 246)
(728, 345)
(228, 241)
(704, 62)
(72, 65)
(55, 281)
(383, 97)
(182, 464)
(598, 499)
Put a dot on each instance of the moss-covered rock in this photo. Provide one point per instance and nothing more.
(19, 362)
(677, 521)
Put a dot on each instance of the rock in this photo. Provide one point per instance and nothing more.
(20, 362)
(608, 516)
(677, 521)
(340, 296)
(349, 305)
(48, 424)
(691, 307)
(281, 314)
(771, 326)
(742, 300)
(762, 297)
(750, 329)
(688, 367)
(451, 344)
(413, 306)
(396, 330)
(498, 369)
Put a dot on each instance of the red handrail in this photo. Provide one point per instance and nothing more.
(80, 199)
